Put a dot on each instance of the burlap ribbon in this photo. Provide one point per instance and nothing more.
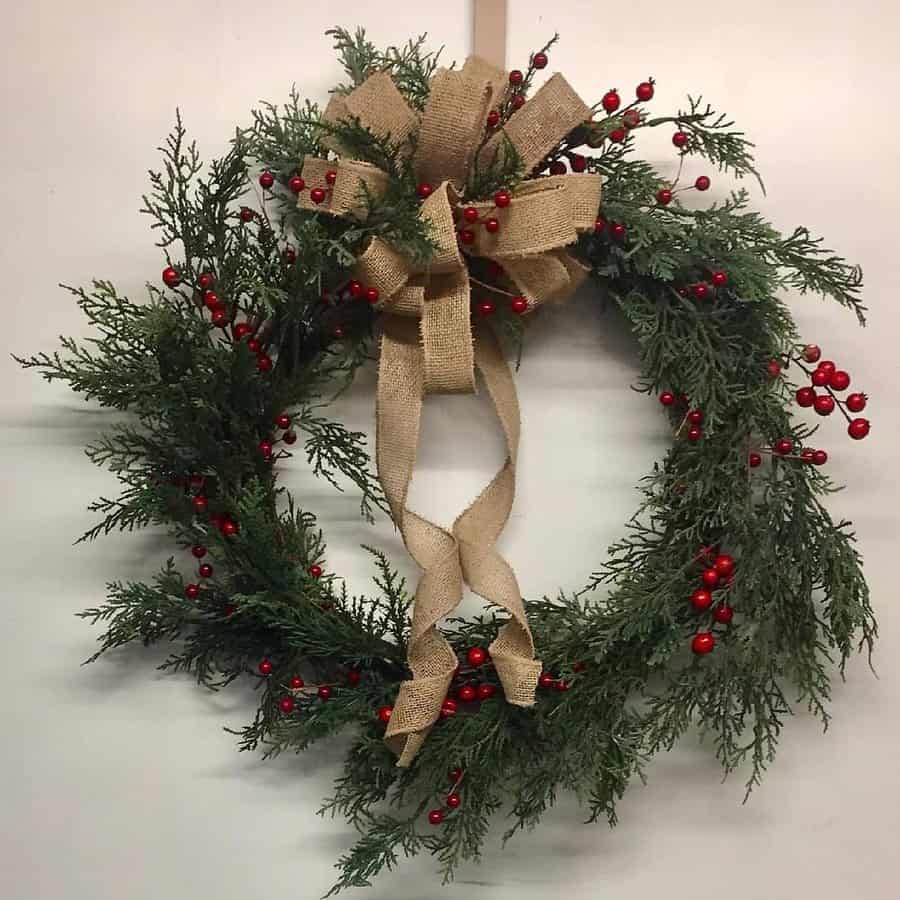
(428, 344)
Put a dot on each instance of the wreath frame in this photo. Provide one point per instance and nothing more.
(621, 682)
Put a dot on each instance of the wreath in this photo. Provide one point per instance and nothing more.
(442, 208)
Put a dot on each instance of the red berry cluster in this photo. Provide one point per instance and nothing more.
(717, 575)
(452, 801)
(616, 230)
(287, 704)
(471, 216)
(693, 418)
(833, 381)
(283, 422)
(297, 185)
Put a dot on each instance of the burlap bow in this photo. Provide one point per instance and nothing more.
(429, 346)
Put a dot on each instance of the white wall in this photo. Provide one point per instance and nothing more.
(117, 783)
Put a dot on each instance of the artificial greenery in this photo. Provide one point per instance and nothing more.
(200, 406)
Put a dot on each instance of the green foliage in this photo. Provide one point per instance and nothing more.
(198, 406)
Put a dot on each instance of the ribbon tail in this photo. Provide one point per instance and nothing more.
(431, 659)
(478, 528)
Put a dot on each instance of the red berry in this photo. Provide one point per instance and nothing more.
(518, 101)
(719, 278)
(516, 76)
(820, 378)
(286, 705)
(205, 570)
(296, 682)
(632, 118)
(230, 528)
(858, 429)
(703, 642)
(710, 577)
(807, 454)
(372, 295)
(470, 214)
(667, 398)
(254, 346)
(701, 599)
(700, 290)
(200, 504)
(354, 676)
(644, 91)
(205, 280)
(561, 685)
(702, 183)
(617, 230)
(694, 434)
(219, 318)
(455, 775)
(448, 708)
(493, 119)
(856, 402)
(773, 368)
(820, 457)
(664, 197)
(384, 713)
(247, 214)
(476, 656)
(492, 225)
(611, 101)
(330, 176)
(453, 800)
(486, 691)
(315, 570)
(266, 180)
(355, 289)
(754, 460)
(824, 405)
(599, 226)
(502, 199)
(546, 680)
(436, 816)
(558, 168)
(805, 396)
(577, 162)
(338, 332)
(519, 305)
(296, 184)
(263, 362)
(265, 449)
(424, 190)
(486, 308)
(839, 380)
(198, 550)
(241, 330)
(679, 139)
(466, 236)
(282, 421)
(265, 667)
(467, 693)
(192, 591)
(812, 352)
(695, 417)
(170, 277)
(617, 135)
(784, 446)
(211, 300)
(828, 367)
(723, 613)
(324, 692)
(539, 61)
(289, 437)
(724, 565)
(317, 195)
